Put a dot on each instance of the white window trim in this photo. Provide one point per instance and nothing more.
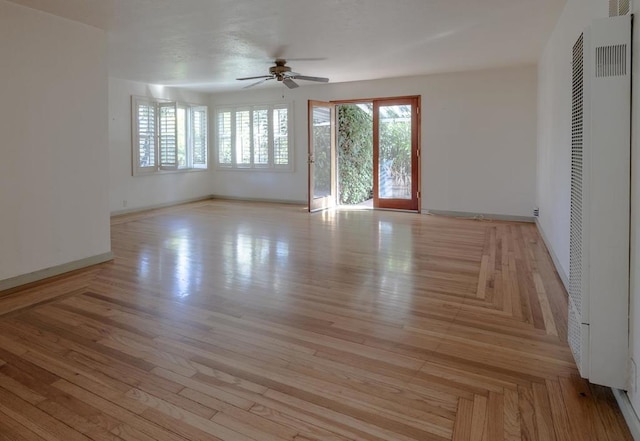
(157, 168)
(270, 166)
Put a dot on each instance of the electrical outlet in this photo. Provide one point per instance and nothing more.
(536, 212)
(124, 203)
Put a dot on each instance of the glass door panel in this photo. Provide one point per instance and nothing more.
(396, 154)
(394, 172)
(322, 156)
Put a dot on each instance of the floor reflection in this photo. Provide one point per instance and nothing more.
(367, 255)
(187, 273)
(395, 269)
(251, 260)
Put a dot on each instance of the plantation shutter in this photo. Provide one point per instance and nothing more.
(253, 137)
(260, 136)
(243, 138)
(144, 112)
(281, 136)
(199, 136)
(224, 133)
(167, 135)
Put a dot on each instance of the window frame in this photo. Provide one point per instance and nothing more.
(252, 165)
(160, 166)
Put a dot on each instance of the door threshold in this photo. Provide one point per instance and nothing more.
(364, 207)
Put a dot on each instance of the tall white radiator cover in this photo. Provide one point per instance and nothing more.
(600, 197)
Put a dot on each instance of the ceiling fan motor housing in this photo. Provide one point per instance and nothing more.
(279, 70)
(282, 73)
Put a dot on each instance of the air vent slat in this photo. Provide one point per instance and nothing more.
(619, 7)
(611, 61)
(577, 145)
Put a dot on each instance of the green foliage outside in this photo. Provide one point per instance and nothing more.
(355, 153)
(395, 146)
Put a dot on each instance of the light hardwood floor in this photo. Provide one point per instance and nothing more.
(244, 321)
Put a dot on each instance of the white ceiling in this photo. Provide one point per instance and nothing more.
(206, 44)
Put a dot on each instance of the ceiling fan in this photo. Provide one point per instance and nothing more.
(283, 73)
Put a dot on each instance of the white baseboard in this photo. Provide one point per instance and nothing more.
(628, 412)
(480, 216)
(163, 205)
(54, 271)
(554, 257)
(267, 200)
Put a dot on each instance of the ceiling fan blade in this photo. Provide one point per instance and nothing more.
(254, 78)
(259, 82)
(306, 78)
(290, 83)
(307, 59)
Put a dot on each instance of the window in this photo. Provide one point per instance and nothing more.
(168, 136)
(254, 137)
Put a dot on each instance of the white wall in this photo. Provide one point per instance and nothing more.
(634, 393)
(554, 140)
(53, 174)
(478, 139)
(127, 192)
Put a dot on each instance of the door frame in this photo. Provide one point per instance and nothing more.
(412, 204)
(416, 157)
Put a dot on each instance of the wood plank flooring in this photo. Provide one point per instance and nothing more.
(243, 321)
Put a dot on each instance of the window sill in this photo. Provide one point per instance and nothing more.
(169, 172)
(256, 169)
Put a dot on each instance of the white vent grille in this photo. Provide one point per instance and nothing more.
(613, 8)
(574, 336)
(598, 332)
(619, 7)
(577, 145)
(611, 61)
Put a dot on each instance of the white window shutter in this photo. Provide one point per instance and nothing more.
(244, 145)
(261, 136)
(281, 136)
(167, 135)
(144, 136)
(224, 137)
(199, 136)
(253, 137)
